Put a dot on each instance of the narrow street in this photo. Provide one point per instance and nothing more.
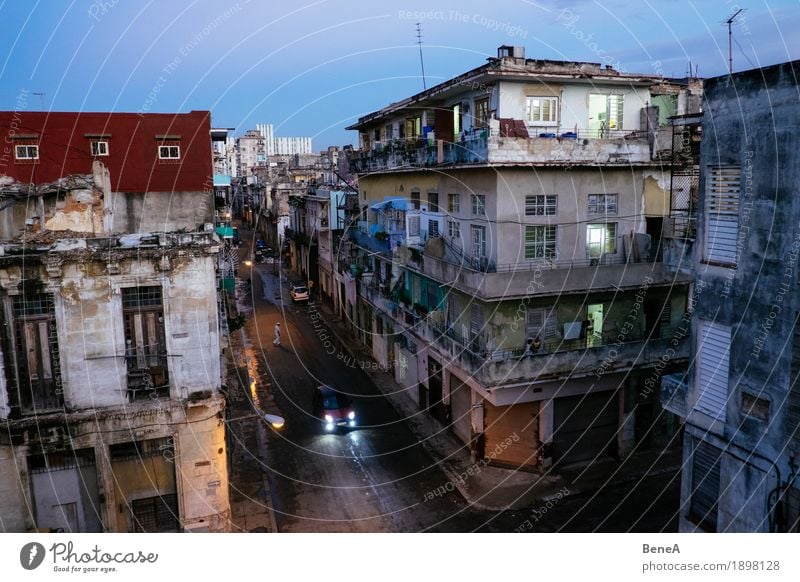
(370, 479)
(378, 477)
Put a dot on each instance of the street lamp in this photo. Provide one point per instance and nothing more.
(274, 420)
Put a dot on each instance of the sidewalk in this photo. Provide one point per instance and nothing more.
(251, 504)
(494, 488)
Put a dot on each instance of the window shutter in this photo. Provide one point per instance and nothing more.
(713, 366)
(722, 214)
(705, 485)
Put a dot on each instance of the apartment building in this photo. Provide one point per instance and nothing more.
(505, 256)
(740, 397)
(110, 397)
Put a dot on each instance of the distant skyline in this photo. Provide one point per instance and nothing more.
(312, 68)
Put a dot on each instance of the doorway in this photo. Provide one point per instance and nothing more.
(594, 333)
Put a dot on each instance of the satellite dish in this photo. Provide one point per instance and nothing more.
(274, 420)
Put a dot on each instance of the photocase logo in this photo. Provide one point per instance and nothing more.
(31, 555)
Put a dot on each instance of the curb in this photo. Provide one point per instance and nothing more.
(441, 463)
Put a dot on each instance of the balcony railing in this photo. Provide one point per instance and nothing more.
(674, 390)
(543, 146)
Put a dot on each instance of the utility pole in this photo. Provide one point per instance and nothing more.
(421, 62)
(730, 40)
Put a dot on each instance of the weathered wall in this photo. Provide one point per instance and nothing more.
(13, 506)
(137, 212)
(572, 187)
(203, 472)
(751, 120)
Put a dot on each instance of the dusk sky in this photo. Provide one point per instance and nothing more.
(311, 68)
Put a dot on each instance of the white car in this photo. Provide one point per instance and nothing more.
(299, 293)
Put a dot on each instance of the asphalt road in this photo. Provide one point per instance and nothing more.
(369, 479)
(375, 478)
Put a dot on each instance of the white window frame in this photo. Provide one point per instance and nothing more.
(479, 204)
(541, 205)
(99, 147)
(453, 229)
(433, 228)
(413, 225)
(540, 242)
(601, 204)
(26, 148)
(721, 222)
(169, 148)
(478, 241)
(609, 242)
(453, 203)
(535, 110)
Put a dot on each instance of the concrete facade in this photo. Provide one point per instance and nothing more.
(740, 398)
(526, 296)
(91, 407)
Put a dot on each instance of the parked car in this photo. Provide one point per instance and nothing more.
(334, 408)
(261, 245)
(299, 293)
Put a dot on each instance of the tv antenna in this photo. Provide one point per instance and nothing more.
(41, 98)
(421, 61)
(730, 39)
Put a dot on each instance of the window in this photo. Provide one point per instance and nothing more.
(602, 204)
(540, 205)
(26, 152)
(453, 203)
(433, 202)
(713, 361)
(601, 239)
(145, 342)
(705, 485)
(478, 241)
(38, 372)
(170, 152)
(433, 228)
(453, 229)
(542, 322)
(479, 204)
(482, 112)
(542, 110)
(99, 148)
(413, 127)
(155, 514)
(415, 199)
(540, 242)
(413, 226)
(723, 187)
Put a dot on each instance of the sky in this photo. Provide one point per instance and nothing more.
(312, 67)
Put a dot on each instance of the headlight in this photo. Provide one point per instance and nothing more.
(351, 415)
(328, 418)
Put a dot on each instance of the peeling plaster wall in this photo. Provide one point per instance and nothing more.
(92, 338)
(202, 472)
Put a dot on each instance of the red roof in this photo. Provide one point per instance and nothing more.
(65, 147)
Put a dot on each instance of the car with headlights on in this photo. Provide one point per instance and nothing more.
(334, 408)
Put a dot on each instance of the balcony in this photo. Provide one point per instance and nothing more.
(541, 277)
(369, 242)
(597, 356)
(488, 146)
(674, 390)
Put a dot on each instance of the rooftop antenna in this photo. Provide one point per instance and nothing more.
(421, 62)
(730, 40)
(41, 98)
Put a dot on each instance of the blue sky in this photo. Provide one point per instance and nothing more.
(311, 67)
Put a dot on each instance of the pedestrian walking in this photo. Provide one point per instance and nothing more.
(277, 340)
